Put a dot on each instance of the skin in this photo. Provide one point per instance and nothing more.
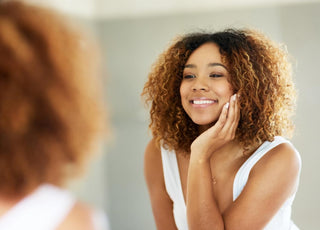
(205, 82)
(80, 217)
(215, 153)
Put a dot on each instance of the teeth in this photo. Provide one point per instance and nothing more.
(202, 102)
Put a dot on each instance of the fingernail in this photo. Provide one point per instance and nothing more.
(227, 105)
(234, 97)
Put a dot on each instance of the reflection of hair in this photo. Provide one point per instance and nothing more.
(49, 113)
(260, 73)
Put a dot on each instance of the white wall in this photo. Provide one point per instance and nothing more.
(108, 9)
(301, 31)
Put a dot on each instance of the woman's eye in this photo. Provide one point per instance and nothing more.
(216, 75)
(188, 76)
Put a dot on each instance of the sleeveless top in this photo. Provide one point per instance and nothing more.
(281, 220)
(44, 209)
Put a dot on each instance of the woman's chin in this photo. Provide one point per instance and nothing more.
(205, 124)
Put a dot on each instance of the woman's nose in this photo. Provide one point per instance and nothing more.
(200, 84)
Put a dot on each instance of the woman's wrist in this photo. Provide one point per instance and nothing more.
(199, 157)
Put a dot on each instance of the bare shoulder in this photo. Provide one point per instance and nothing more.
(80, 218)
(283, 157)
(280, 167)
(152, 162)
(272, 180)
(152, 150)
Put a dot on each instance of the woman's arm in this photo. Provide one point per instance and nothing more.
(271, 182)
(162, 205)
(202, 209)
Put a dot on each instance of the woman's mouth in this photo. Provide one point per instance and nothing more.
(203, 102)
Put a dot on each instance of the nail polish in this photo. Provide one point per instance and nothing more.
(234, 97)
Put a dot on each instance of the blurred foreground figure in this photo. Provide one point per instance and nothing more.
(51, 116)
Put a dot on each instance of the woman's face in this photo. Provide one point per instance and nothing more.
(205, 88)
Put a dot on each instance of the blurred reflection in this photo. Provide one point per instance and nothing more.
(51, 117)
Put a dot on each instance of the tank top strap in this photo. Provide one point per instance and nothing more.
(171, 175)
(173, 186)
(44, 209)
(242, 175)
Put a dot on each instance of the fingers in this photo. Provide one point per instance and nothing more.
(223, 117)
(237, 109)
(228, 120)
(232, 117)
(223, 131)
(235, 122)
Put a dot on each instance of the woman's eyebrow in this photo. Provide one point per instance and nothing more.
(190, 66)
(209, 65)
(217, 64)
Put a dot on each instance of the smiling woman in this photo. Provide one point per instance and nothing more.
(221, 107)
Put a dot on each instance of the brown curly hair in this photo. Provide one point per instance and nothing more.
(50, 111)
(260, 72)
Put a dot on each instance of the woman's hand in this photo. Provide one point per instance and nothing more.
(218, 135)
(202, 209)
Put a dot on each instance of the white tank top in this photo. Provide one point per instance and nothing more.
(45, 209)
(281, 220)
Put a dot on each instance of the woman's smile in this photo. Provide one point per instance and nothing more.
(202, 102)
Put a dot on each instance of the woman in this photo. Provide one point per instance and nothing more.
(51, 117)
(221, 107)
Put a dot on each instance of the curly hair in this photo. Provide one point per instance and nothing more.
(260, 72)
(50, 108)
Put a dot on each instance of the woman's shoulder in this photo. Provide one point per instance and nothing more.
(81, 217)
(152, 148)
(282, 159)
(153, 163)
(152, 155)
(275, 176)
(281, 152)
